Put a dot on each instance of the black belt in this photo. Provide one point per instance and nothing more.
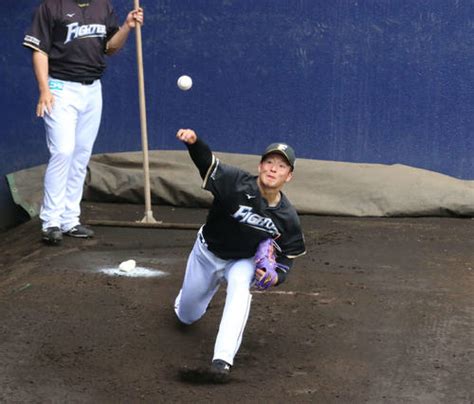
(84, 82)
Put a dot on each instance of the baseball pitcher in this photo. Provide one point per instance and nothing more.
(251, 236)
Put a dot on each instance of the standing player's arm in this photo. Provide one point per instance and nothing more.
(116, 43)
(198, 150)
(40, 67)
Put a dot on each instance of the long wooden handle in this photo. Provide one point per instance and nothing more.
(143, 125)
(154, 225)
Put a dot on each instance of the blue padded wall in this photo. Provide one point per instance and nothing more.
(375, 81)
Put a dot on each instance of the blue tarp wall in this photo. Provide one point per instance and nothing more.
(375, 81)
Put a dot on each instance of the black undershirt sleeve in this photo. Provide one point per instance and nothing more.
(201, 155)
(282, 274)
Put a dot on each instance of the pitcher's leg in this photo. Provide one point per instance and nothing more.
(239, 276)
(202, 279)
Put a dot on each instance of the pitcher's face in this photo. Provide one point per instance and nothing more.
(274, 171)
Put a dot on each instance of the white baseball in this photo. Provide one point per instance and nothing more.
(127, 266)
(185, 83)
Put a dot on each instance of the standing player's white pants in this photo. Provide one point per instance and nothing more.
(204, 274)
(71, 130)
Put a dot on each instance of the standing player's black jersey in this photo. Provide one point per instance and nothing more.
(73, 37)
(240, 217)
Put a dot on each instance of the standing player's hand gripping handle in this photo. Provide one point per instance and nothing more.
(118, 40)
(134, 17)
(187, 136)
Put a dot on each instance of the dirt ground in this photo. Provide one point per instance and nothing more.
(378, 311)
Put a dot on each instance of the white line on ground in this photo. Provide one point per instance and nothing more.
(282, 292)
(137, 272)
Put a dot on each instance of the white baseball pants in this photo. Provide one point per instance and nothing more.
(204, 274)
(71, 130)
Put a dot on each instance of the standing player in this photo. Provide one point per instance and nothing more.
(246, 210)
(70, 39)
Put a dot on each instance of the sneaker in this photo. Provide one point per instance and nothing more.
(52, 235)
(80, 231)
(220, 370)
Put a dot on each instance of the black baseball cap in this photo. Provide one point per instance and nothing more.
(283, 149)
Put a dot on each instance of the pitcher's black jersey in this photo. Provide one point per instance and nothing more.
(73, 37)
(240, 217)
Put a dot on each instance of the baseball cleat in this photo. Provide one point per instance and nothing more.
(221, 370)
(217, 373)
(52, 235)
(79, 231)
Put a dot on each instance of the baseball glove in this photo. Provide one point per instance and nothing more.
(265, 258)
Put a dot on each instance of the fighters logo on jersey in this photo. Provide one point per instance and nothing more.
(75, 31)
(246, 216)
